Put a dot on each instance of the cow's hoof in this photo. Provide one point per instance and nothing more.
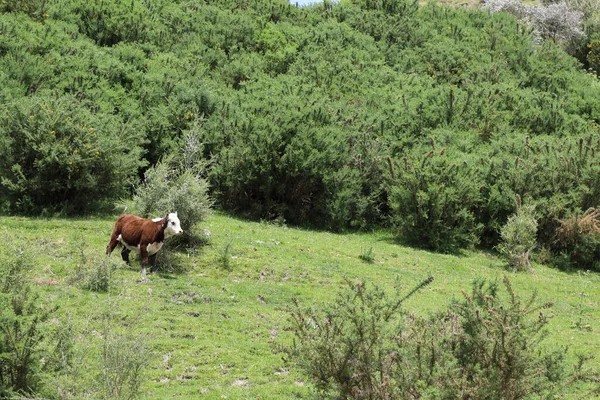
(143, 277)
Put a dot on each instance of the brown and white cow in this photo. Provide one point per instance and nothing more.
(144, 236)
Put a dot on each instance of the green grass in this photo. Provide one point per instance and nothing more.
(214, 323)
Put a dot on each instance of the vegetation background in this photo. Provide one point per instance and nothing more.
(436, 124)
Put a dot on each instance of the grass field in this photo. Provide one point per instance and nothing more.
(214, 322)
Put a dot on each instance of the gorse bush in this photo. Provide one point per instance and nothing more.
(433, 201)
(175, 184)
(303, 111)
(499, 349)
(60, 156)
(518, 237)
(22, 316)
(488, 345)
(352, 347)
(578, 240)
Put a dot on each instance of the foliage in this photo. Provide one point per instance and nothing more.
(499, 349)
(578, 239)
(21, 333)
(364, 346)
(554, 20)
(175, 184)
(433, 202)
(60, 156)
(518, 237)
(302, 111)
(348, 348)
(125, 358)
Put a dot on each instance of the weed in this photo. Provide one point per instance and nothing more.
(123, 358)
(225, 257)
(581, 318)
(367, 256)
(94, 275)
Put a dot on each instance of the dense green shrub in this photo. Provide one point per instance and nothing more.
(434, 197)
(57, 155)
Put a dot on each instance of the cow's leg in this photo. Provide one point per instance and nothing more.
(144, 253)
(152, 259)
(125, 255)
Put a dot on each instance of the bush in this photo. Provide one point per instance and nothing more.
(21, 319)
(433, 198)
(577, 240)
(365, 346)
(498, 348)
(351, 347)
(95, 278)
(518, 237)
(175, 184)
(125, 358)
(58, 156)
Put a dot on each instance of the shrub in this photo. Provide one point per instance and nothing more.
(349, 348)
(518, 237)
(433, 199)
(21, 319)
(96, 278)
(175, 184)
(498, 349)
(364, 345)
(58, 156)
(125, 358)
(577, 240)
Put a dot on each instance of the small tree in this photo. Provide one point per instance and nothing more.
(518, 237)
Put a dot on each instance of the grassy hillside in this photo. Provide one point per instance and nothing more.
(214, 323)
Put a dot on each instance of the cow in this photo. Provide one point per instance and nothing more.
(144, 236)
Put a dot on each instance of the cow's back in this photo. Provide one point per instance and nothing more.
(132, 228)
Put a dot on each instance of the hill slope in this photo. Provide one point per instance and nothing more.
(213, 324)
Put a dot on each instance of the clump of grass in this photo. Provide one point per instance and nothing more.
(581, 317)
(367, 256)
(225, 257)
(93, 275)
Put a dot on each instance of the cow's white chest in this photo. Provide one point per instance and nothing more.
(152, 248)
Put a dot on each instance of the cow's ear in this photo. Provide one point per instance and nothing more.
(166, 221)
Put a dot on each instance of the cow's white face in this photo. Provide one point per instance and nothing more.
(173, 225)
